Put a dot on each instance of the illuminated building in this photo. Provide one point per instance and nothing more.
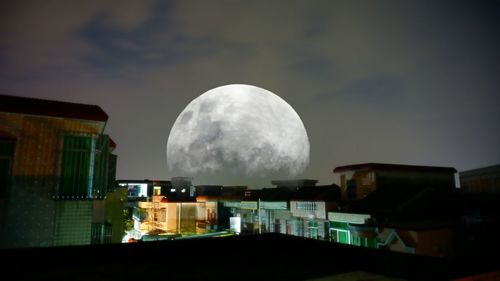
(309, 207)
(163, 217)
(295, 207)
(172, 209)
(274, 209)
(57, 166)
(146, 188)
(221, 203)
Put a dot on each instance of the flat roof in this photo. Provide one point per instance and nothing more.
(393, 167)
(281, 257)
(484, 171)
(294, 182)
(145, 181)
(34, 106)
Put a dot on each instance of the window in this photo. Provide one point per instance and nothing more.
(339, 232)
(163, 215)
(351, 189)
(76, 176)
(313, 229)
(157, 190)
(6, 160)
(308, 206)
(84, 167)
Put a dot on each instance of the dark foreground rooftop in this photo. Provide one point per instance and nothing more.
(259, 257)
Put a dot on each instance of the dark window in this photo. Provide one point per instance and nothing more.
(84, 167)
(351, 189)
(6, 161)
(111, 172)
(76, 178)
(101, 233)
(101, 165)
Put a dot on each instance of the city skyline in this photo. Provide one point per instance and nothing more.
(406, 83)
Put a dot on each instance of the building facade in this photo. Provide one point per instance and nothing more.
(56, 163)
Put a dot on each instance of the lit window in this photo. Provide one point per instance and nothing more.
(157, 190)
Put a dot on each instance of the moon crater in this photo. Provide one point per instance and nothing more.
(238, 131)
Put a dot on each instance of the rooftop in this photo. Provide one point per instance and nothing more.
(34, 106)
(254, 257)
(145, 181)
(294, 183)
(392, 167)
(484, 171)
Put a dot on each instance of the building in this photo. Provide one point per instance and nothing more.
(294, 207)
(309, 207)
(56, 168)
(357, 181)
(294, 184)
(482, 180)
(160, 216)
(403, 208)
(219, 201)
(114, 213)
(137, 189)
(173, 208)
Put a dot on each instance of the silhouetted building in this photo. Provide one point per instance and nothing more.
(399, 207)
(209, 190)
(183, 186)
(56, 168)
(357, 181)
(294, 184)
(482, 180)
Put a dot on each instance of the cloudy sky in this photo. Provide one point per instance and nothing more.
(411, 82)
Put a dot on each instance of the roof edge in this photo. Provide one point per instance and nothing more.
(51, 108)
(384, 166)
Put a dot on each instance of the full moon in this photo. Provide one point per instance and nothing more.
(239, 133)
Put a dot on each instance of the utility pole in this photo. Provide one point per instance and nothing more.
(258, 214)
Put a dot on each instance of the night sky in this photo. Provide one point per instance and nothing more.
(410, 82)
